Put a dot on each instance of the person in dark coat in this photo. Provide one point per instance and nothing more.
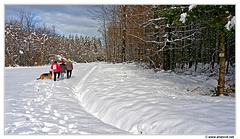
(69, 68)
(63, 70)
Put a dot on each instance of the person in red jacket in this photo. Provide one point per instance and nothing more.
(56, 69)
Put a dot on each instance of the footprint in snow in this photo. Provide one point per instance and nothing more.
(54, 118)
(56, 113)
(46, 112)
(66, 117)
(48, 108)
(31, 109)
(62, 122)
(71, 126)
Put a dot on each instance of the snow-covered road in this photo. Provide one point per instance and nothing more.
(105, 98)
(47, 107)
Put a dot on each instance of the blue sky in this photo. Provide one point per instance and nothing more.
(68, 19)
(76, 19)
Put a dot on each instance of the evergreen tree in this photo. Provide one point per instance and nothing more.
(221, 17)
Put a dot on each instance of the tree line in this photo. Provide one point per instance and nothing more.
(171, 37)
(30, 43)
(153, 34)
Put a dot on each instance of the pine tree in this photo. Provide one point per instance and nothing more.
(223, 15)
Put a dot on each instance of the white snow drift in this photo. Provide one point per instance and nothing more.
(105, 98)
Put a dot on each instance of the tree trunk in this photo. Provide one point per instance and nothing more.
(221, 77)
(123, 58)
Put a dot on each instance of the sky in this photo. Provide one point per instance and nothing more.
(70, 17)
(67, 19)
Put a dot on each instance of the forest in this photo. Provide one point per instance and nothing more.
(28, 43)
(179, 38)
(153, 34)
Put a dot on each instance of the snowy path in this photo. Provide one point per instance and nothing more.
(113, 99)
(47, 107)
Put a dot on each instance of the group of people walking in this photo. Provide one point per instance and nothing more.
(62, 69)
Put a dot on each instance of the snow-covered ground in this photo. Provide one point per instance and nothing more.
(103, 98)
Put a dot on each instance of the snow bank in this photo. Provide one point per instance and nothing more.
(144, 102)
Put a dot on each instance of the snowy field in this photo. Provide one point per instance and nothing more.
(118, 99)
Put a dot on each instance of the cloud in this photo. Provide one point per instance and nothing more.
(68, 19)
(71, 24)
